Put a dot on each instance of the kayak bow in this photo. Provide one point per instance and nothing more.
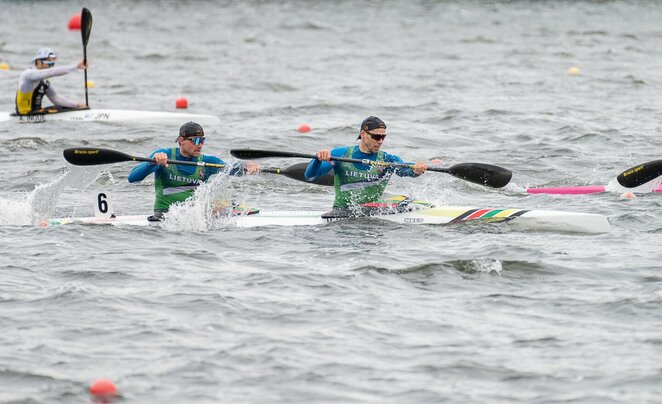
(112, 115)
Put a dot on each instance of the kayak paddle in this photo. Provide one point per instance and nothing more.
(641, 174)
(85, 29)
(478, 173)
(92, 156)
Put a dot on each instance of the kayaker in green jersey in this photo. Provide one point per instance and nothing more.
(355, 183)
(33, 85)
(176, 183)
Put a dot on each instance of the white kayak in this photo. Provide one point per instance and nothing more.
(519, 219)
(112, 115)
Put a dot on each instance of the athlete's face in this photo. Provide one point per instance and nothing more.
(191, 146)
(372, 140)
(45, 63)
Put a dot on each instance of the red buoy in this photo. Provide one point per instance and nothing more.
(103, 389)
(181, 102)
(304, 128)
(74, 22)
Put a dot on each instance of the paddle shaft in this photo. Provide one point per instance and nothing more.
(360, 161)
(87, 102)
(181, 163)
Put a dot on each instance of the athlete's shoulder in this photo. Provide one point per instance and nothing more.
(392, 158)
(28, 73)
(162, 150)
(339, 151)
(212, 159)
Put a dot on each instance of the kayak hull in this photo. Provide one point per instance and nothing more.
(111, 115)
(578, 190)
(519, 219)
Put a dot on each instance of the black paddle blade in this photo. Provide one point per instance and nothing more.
(85, 25)
(92, 156)
(483, 174)
(297, 171)
(641, 174)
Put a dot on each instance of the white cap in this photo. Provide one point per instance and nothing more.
(44, 53)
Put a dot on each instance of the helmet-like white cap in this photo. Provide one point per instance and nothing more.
(44, 53)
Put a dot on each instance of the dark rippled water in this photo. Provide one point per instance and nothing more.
(353, 311)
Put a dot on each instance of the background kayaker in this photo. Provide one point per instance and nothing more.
(355, 183)
(176, 183)
(33, 85)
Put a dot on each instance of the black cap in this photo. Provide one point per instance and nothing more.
(191, 129)
(370, 123)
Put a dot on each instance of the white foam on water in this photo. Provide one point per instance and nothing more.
(648, 187)
(197, 214)
(39, 205)
(15, 212)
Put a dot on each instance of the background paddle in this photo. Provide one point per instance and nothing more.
(478, 173)
(92, 156)
(85, 29)
(296, 172)
(641, 174)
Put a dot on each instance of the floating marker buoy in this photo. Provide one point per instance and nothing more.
(303, 128)
(90, 84)
(4, 66)
(627, 195)
(181, 102)
(103, 388)
(574, 71)
(74, 22)
(437, 162)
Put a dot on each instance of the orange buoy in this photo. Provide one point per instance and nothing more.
(303, 128)
(74, 22)
(181, 102)
(103, 389)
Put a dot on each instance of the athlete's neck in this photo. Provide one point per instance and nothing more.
(363, 149)
(186, 155)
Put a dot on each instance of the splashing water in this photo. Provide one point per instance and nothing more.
(200, 212)
(648, 187)
(14, 213)
(40, 204)
(480, 265)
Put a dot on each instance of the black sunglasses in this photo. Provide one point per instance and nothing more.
(376, 136)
